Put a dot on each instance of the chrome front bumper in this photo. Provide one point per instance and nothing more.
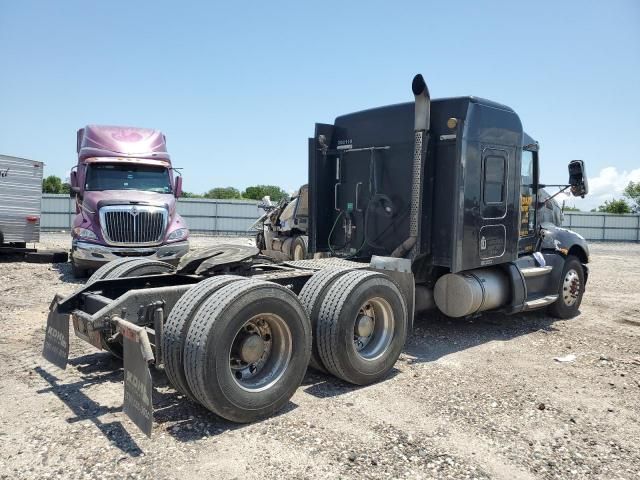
(90, 255)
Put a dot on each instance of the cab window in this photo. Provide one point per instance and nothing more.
(494, 177)
(527, 204)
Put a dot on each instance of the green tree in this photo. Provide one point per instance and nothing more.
(258, 191)
(572, 209)
(190, 195)
(223, 193)
(632, 192)
(615, 206)
(52, 184)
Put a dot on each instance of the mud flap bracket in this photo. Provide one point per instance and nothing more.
(399, 270)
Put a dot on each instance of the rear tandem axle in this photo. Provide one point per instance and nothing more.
(238, 344)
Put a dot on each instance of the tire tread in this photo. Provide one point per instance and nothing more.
(177, 327)
(329, 316)
(195, 351)
(129, 269)
(105, 269)
(311, 296)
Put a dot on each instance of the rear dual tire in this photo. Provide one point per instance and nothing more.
(360, 323)
(239, 347)
(177, 326)
(311, 296)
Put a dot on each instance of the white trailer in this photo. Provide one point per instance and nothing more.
(20, 199)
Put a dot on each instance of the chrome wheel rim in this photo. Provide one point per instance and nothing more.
(373, 329)
(260, 352)
(571, 288)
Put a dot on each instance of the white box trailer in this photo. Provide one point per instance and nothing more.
(20, 201)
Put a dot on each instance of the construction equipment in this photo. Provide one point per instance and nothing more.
(422, 205)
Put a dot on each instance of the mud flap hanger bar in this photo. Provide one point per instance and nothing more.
(138, 404)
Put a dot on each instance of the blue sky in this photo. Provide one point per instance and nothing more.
(238, 86)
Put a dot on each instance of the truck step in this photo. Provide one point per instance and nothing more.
(540, 302)
(531, 272)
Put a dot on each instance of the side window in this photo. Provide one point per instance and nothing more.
(527, 205)
(494, 179)
(494, 183)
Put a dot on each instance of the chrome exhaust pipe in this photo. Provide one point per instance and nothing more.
(422, 118)
(422, 121)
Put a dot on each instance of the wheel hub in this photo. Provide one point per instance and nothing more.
(252, 348)
(260, 352)
(571, 288)
(364, 326)
(373, 328)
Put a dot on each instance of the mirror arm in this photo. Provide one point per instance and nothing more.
(564, 187)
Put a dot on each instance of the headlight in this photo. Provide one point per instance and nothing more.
(84, 233)
(178, 234)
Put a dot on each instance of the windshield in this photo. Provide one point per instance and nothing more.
(106, 176)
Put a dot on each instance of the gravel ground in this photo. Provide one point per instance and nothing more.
(481, 398)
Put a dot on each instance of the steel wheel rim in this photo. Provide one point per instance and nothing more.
(276, 338)
(298, 253)
(373, 346)
(571, 288)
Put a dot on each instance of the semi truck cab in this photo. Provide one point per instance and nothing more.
(125, 190)
(451, 184)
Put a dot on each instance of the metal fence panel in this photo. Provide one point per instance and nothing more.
(57, 212)
(202, 215)
(604, 226)
(236, 216)
(574, 220)
(622, 221)
(620, 234)
(589, 233)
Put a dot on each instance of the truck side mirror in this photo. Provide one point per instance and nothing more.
(178, 187)
(578, 178)
(74, 190)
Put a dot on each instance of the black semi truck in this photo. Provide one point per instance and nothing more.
(422, 206)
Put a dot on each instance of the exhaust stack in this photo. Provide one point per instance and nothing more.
(422, 120)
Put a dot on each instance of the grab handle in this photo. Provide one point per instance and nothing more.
(358, 185)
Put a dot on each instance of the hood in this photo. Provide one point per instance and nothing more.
(92, 200)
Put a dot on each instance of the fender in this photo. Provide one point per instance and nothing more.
(565, 242)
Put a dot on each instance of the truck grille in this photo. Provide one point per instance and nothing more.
(133, 225)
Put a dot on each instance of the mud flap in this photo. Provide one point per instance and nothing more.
(138, 404)
(56, 338)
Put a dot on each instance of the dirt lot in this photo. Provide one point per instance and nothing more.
(480, 398)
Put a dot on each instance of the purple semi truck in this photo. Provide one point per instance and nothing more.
(126, 192)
